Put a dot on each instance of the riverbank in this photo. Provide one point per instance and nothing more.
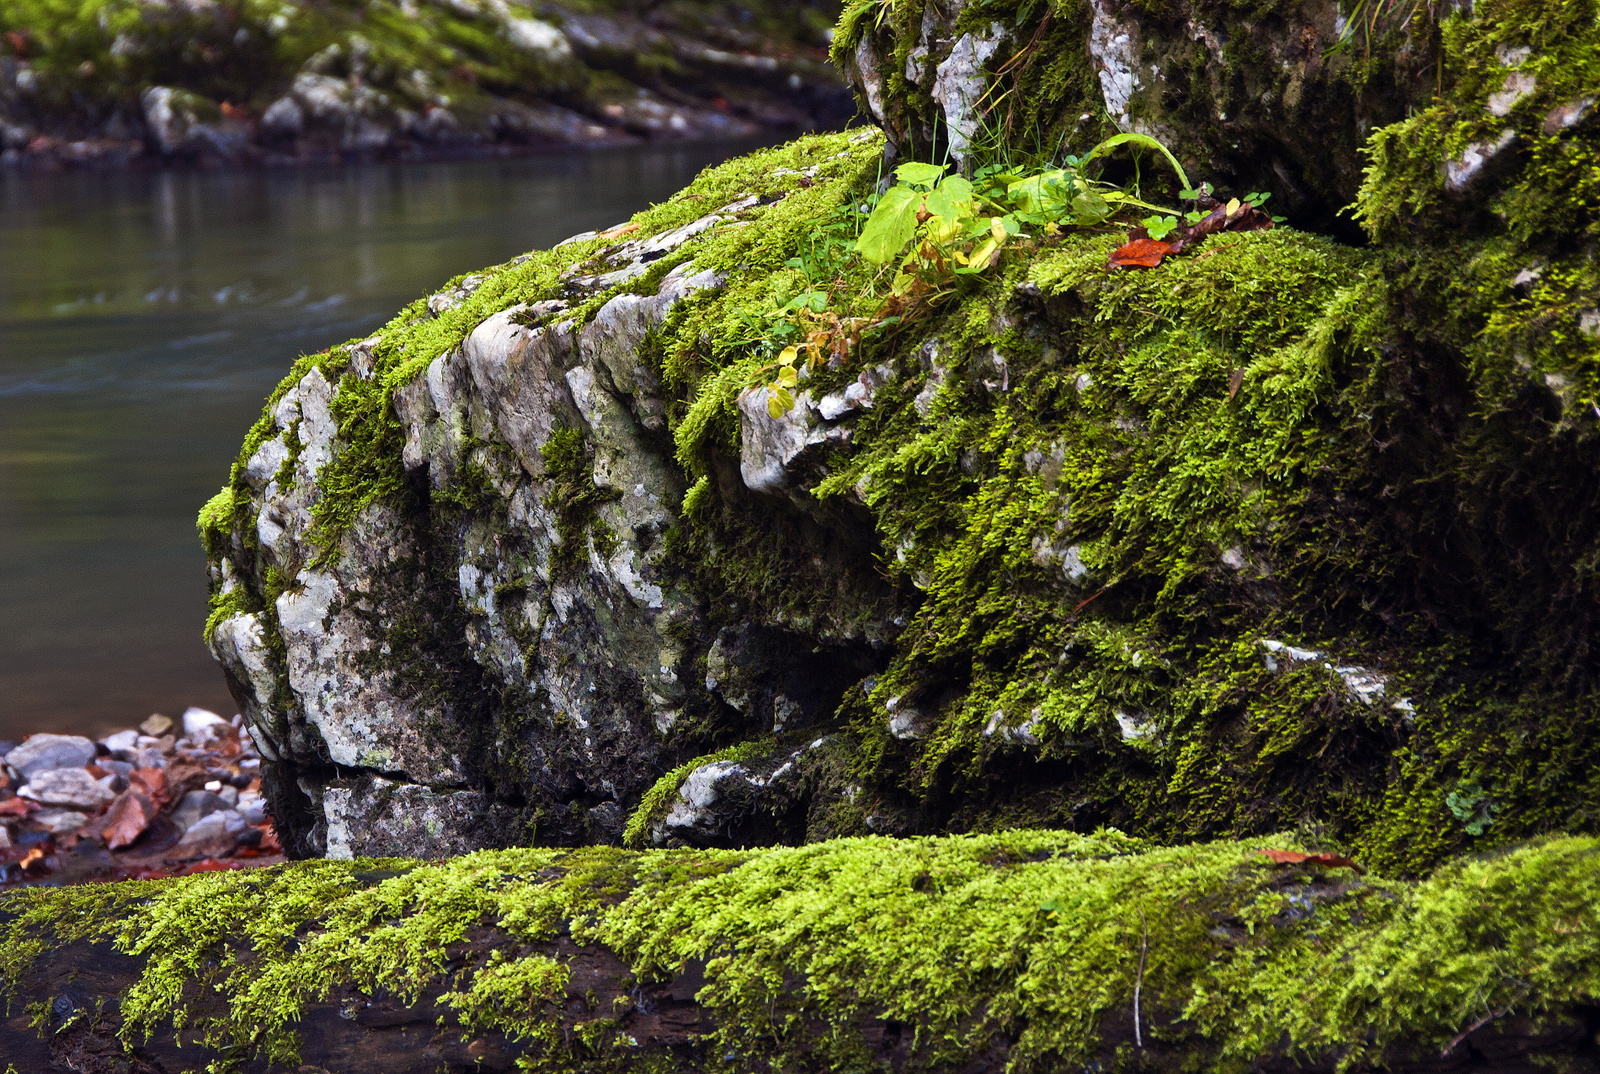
(168, 798)
(117, 83)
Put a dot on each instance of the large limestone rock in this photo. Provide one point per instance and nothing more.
(1283, 533)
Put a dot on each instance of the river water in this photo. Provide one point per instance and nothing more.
(144, 317)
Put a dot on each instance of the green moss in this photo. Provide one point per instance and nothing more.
(1031, 938)
(576, 500)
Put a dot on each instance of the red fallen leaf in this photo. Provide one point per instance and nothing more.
(16, 807)
(269, 839)
(1294, 857)
(18, 42)
(1140, 253)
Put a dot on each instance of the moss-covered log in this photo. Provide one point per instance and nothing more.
(1021, 951)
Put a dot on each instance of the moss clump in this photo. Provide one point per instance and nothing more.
(1029, 941)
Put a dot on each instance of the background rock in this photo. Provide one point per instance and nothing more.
(46, 751)
(231, 82)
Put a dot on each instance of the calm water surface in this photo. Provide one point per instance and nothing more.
(143, 318)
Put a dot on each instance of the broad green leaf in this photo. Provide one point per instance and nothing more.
(1090, 208)
(919, 174)
(1143, 141)
(787, 377)
(890, 226)
(779, 402)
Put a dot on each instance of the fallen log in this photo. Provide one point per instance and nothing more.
(1020, 950)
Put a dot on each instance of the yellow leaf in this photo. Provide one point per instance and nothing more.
(774, 408)
(788, 377)
(997, 229)
(790, 353)
(1233, 206)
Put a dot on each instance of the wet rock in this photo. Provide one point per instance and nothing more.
(197, 720)
(58, 821)
(68, 786)
(46, 751)
(194, 807)
(213, 835)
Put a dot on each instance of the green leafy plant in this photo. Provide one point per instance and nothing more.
(927, 232)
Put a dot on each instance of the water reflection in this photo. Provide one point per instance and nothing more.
(142, 319)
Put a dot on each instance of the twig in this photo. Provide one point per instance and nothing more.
(1138, 983)
(1473, 1028)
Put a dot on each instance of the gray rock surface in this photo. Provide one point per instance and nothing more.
(544, 667)
(72, 787)
(194, 807)
(46, 751)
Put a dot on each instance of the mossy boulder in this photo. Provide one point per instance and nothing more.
(1027, 950)
(280, 81)
(1283, 533)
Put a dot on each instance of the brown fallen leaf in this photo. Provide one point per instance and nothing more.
(16, 807)
(33, 859)
(1294, 857)
(1234, 382)
(1140, 253)
(619, 230)
(152, 781)
(125, 820)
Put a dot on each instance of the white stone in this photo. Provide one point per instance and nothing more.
(283, 116)
(1116, 56)
(1518, 84)
(58, 821)
(534, 35)
(197, 719)
(72, 787)
(1461, 173)
(120, 742)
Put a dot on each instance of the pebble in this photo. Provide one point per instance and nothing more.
(73, 787)
(58, 821)
(195, 719)
(196, 806)
(65, 837)
(43, 752)
(120, 743)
